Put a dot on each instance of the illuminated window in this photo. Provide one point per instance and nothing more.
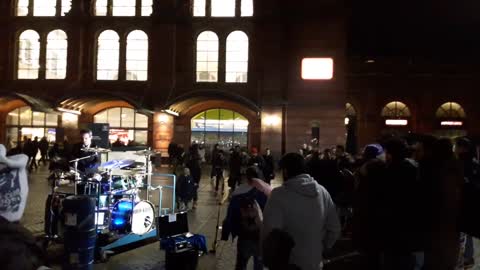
(147, 7)
(225, 127)
(44, 7)
(28, 55)
(56, 64)
(123, 7)
(23, 122)
(125, 125)
(450, 110)
(22, 7)
(223, 8)
(396, 110)
(317, 68)
(247, 8)
(101, 7)
(66, 6)
(207, 57)
(237, 57)
(108, 54)
(199, 7)
(137, 56)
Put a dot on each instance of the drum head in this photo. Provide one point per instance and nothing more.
(143, 217)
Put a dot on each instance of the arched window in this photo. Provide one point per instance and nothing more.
(28, 55)
(226, 127)
(247, 8)
(137, 56)
(237, 57)
(396, 110)
(199, 8)
(450, 111)
(44, 7)
(108, 54)
(24, 122)
(56, 64)
(125, 125)
(124, 7)
(223, 8)
(66, 6)
(207, 57)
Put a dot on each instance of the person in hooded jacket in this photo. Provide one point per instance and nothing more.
(304, 209)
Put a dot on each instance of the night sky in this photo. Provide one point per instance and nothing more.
(415, 28)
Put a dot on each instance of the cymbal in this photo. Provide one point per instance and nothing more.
(96, 150)
(145, 153)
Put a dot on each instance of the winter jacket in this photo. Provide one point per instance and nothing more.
(232, 222)
(305, 210)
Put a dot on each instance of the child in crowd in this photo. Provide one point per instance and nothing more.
(185, 189)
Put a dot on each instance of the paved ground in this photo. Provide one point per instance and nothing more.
(202, 221)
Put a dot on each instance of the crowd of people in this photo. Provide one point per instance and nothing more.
(404, 205)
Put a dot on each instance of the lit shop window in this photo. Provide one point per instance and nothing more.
(126, 125)
(207, 57)
(56, 62)
(137, 56)
(237, 58)
(108, 54)
(317, 68)
(28, 55)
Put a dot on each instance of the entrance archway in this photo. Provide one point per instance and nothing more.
(219, 126)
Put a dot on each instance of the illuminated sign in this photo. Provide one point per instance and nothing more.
(317, 68)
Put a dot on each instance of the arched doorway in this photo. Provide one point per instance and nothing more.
(396, 116)
(225, 127)
(450, 118)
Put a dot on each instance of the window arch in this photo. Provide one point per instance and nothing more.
(125, 124)
(25, 122)
(396, 110)
(123, 8)
(237, 57)
(137, 56)
(207, 57)
(56, 62)
(223, 8)
(450, 110)
(28, 55)
(108, 54)
(226, 127)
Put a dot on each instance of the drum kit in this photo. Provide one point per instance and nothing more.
(116, 187)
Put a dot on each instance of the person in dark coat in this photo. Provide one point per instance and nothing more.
(269, 169)
(43, 146)
(235, 166)
(218, 165)
(402, 215)
(193, 162)
(213, 159)
(256, 159)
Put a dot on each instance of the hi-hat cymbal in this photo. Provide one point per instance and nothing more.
(145, 153)
(96, 150)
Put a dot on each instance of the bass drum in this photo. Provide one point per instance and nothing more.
(143, 217)
(128, 216)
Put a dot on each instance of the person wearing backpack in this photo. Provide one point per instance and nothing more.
(244, 220)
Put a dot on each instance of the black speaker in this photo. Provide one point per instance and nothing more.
(185, 260)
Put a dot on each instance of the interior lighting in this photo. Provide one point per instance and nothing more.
(317, 68)
(69, 111)
(174, 113)
(272, 120)
(451, 123)
(396, 122)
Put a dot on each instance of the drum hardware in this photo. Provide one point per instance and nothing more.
(96, 150)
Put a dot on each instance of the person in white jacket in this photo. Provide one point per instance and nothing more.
(304, 209)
